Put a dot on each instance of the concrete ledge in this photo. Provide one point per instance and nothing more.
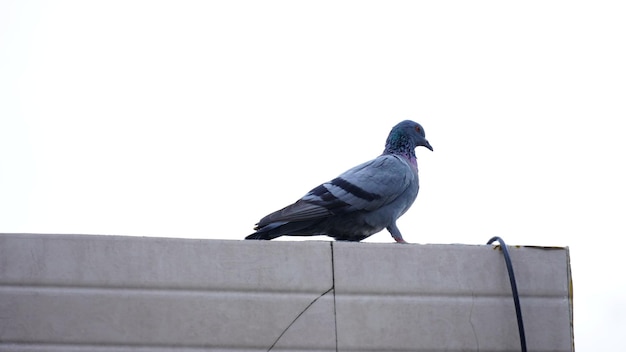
(108, 293)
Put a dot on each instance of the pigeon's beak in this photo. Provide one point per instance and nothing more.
(427, 145)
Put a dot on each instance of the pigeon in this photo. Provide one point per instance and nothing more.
(360, 202)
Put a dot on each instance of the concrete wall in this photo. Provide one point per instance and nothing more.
(105, 293)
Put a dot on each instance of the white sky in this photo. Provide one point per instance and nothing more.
(196, 119)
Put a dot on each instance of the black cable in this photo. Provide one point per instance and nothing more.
(518, 310)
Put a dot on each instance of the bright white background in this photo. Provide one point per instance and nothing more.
(195, 119)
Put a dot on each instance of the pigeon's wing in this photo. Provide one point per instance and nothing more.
(368, 186)
(374, 184)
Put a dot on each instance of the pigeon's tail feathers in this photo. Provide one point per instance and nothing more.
(265, 232)
(258, 236)
(291, 228)
(261, 236)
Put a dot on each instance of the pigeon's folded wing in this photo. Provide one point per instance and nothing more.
(368, 187)
(374, 184)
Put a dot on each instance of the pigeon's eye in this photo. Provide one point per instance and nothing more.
(417, 128)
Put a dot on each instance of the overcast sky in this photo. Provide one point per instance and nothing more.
(195, 119)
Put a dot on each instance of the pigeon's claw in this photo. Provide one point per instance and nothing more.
(395, 233)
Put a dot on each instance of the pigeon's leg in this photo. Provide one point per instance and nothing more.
(395, 233)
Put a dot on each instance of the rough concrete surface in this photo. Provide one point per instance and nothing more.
(121, 294)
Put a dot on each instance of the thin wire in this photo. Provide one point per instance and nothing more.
(518, 310)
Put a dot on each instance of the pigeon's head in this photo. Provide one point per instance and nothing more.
(407, 134)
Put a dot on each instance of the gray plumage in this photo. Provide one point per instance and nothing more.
(361, 201)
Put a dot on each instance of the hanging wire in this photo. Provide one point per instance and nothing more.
(518, 310)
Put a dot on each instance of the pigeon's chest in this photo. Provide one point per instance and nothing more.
(411, 179)
(412, 190)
